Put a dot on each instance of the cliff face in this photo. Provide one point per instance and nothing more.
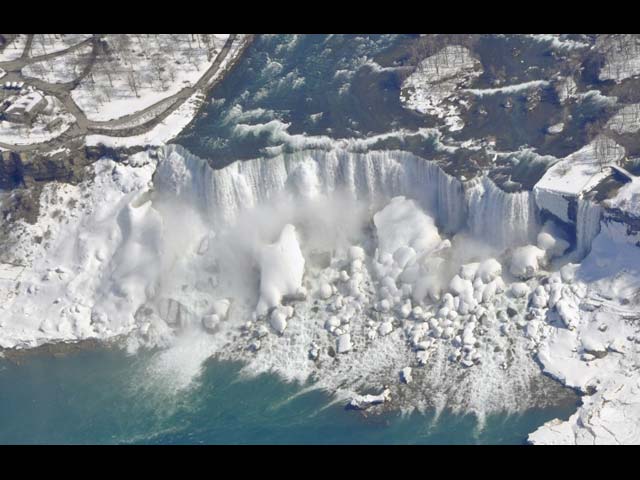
(19, 169)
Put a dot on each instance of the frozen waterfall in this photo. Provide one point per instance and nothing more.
(504, 219)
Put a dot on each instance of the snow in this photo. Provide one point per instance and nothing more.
(598, 354)
(525, 261)
(431, 88)
(627, 198)
(14, 49)
(574, 174)
(24, 134)
(558, 42)
(508, 89)
(622, 56)
(44, 44)
(162, 133)
(281, 270)
(626, 120)
(99, 251)
(106, 94)
(62, 69)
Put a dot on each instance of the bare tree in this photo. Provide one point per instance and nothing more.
(158, 68)
(601, 151)
(131, 80)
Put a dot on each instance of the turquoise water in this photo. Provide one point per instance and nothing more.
(108, 397)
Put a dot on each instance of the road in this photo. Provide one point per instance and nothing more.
(119, 127)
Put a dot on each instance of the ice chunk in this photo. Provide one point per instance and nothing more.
(403, 224)
(385, 328)
(525, 261)
(362, 402)
(519, 289)
(405, 375)
(488, 270)
(343, 343)
(281, 270)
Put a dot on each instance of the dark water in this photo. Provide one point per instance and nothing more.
(348, 86)
(291, 78)
(107, 397)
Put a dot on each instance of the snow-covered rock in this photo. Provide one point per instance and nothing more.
(525, 261)
(281, 270)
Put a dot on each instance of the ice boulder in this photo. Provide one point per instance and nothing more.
(568, 313)
(468, 271)
(279, 316)
(405, 375)
(362, 402)
(555, 247)
(211, 322)
(488, 270)
(525, 261)
(343, 343)
(385, 328)
(402, 223)
(552, 240)
(460, 286)
(281, 270)
(519, 289)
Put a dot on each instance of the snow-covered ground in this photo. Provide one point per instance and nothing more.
(62, 69)
(627, 120)
(70, 258)
(143, 70)
(171, 126)
(25, 134)
(627, 198)
(622, 56)
(164, 131)
(14, 49)
(44, 44)
(599, 353)
(431, 87)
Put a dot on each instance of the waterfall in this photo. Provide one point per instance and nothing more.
(502, 218)
(587, 225)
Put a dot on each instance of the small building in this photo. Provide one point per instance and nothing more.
(25, 107)
(559, 189)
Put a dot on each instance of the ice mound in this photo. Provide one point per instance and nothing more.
(402, 224)
(281, 270)
(525, 261)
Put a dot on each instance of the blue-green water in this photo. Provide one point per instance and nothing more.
(108, 397)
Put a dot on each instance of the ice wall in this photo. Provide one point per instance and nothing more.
(504, 219)
(587, 225)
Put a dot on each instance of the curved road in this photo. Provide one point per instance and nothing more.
(116, 127)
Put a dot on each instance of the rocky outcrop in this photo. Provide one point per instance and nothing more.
(19, 169)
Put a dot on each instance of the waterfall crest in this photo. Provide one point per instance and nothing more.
(504, 219)
(587, 225)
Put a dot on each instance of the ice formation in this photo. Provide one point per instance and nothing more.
(358, 270)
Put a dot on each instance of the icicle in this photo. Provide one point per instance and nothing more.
(587, 226)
